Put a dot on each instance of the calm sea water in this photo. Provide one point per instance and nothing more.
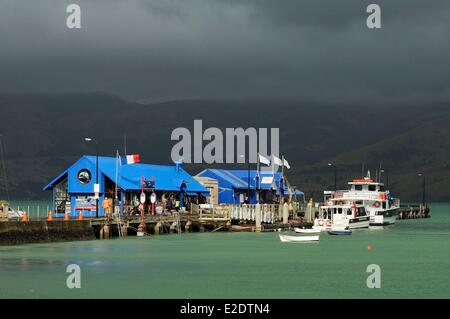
(414, 257)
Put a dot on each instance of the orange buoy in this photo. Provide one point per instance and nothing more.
(66, 217)
(369, 248)
(24, 217)
(80, 216)
(50, 216)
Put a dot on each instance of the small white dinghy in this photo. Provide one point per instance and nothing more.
(307, 231)
(298, 239)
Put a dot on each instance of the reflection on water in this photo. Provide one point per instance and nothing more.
(376, 227)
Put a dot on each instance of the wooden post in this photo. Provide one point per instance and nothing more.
(172, 227)
(285, 213)
(258, 217)
(157, 228)
(187, 226)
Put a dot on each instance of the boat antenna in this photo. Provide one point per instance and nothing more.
(5, 177)
(362, 170)
(379, 174)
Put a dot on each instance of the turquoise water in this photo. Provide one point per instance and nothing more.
(414, 256)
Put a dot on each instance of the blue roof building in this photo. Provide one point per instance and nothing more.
(235, 185)
(73, 189)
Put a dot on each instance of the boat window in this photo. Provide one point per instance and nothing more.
(349, 211)
(372, 188)
(361, 211)
(384, 205)
(358, 187)
(382, 188)
(339, 210)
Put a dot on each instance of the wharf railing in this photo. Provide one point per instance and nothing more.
(34, 211)
(270, 213)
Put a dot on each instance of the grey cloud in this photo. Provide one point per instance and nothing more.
(173, 49)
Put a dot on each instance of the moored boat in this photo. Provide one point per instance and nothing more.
(342, 214)
(298, 239)
(340, 232)
(307, 231)
(379, 203)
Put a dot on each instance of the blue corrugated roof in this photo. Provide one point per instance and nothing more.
(239, 178)
(243, 175)
(235, 181)
(167, 177)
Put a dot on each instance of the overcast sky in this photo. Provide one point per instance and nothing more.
(173, 49)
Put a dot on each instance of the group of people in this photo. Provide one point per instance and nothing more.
(164, 204)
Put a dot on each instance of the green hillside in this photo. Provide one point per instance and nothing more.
(424, 149)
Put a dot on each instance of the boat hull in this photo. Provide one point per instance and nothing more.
(387, 217)
(306, 231)
(363, 222)
(298, 239)
(339, 232)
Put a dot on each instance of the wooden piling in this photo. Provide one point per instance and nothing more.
(258, 217)
(285, 213)
(157, 228)
(172, 227)
(188, 226)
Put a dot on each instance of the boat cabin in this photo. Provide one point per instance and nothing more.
(337, 211)
(366, 185)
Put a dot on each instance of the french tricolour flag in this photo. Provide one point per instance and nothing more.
(130, 159)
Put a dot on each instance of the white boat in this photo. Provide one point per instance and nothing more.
(298, 239)
(346, 215)
(8, 212)
(307, 231)
(378, 202)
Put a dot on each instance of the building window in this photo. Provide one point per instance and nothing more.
(84, 176)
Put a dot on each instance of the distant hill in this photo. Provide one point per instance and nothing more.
(44, 134)
(424, 149)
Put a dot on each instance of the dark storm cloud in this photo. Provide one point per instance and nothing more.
(172, 49)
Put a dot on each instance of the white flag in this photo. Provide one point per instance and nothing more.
(264, 160)
(277, 161)
(286, 163)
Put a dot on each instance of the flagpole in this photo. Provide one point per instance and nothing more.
(117, 173)
(282, 180)
(273, 178)
(257, 180)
